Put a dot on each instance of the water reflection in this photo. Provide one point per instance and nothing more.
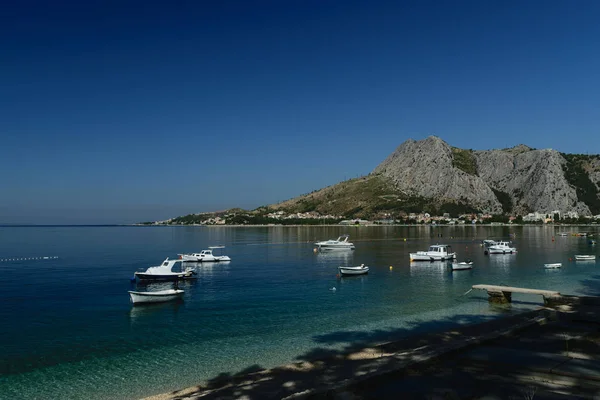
(338, 256)
(208, 269)
(147, 312)
(503, 261)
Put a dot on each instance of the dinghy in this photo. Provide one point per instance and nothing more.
(361, 269)
(462, 265)
(552, 265)
(584, 257)
(155, 297)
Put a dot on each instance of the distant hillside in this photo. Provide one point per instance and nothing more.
(373, 196)
(431, 176)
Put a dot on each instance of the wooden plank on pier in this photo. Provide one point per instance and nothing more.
(509, 289)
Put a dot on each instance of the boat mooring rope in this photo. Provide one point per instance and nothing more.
(28, 258)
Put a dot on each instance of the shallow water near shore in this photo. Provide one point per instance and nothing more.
(69, 331)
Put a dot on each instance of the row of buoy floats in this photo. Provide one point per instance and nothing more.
(28, 258)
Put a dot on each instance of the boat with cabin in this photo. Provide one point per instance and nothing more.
(205, 256)
(436, 252)
(501, 247)
(360, 270)
(164, 272)
(341, 243)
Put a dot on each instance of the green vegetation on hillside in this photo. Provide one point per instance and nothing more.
(464, 160)
(371, 197)
(504, 199)
(577, 176)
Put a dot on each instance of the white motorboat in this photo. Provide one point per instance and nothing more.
(164, 272)
(563, 234)
(156, 296)
(341, 243)
(205, 256)
(360, 270)
(584, 257)
(462, 265)
(438, 252)
(553, 265)
(501, 247)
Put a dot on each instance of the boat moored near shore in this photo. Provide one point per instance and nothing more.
(553, 265)
(501, 247)
(437, 252)
(205, 256)
(164, 272)
(341, 243)
(159, 296)
(360, 270)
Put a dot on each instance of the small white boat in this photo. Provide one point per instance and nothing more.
(489, 242)
(341, 243)
(563, 234)
(584, 257)
(438, 252)
(361, 269)
(552, 265)
(164, 272)
(462, 265)
(155, 297)
(501, 247)
(205, 256)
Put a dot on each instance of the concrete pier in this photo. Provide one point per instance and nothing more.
(503, 294)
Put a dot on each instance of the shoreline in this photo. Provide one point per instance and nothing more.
(362, 225)
(310, 377)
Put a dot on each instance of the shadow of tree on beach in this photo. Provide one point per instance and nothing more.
(357, 354)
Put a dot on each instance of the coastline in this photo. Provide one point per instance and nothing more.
(362, 225)
(500, 358)
(313, 377)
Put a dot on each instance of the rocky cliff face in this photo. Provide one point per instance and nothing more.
(534, 180)
(425, 168)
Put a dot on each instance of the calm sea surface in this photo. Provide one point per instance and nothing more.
(68, 330)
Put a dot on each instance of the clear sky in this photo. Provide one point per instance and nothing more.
(121, 111)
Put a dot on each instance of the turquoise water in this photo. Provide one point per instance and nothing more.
(69, 331)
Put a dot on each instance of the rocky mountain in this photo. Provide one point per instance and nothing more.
(432, 175)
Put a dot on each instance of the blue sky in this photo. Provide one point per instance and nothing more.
(121, 111)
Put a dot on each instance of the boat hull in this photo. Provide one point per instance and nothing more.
(157, 277)
(155, 297)
(461, 266)
(553, 266)
(190, 258)
(353, 270)
(585, 258)
(334, 247)
(427, 257)
(501, 251)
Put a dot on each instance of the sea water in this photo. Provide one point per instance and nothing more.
(68, 330)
